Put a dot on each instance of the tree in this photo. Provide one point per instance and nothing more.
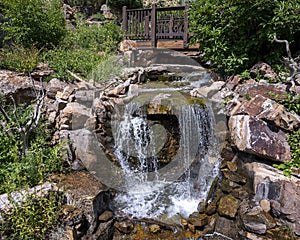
(33, 22)
(236, 34)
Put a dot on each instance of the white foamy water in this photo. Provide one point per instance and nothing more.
(148, 192)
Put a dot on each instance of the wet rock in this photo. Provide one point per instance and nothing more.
(207, 90)
(105, 231)
(118, 90)
(201, 207)
(154, 228)
(270, 111)
(106, 216)
(184, 222)
(257, 221)
(198, 220)
(228, 206)
(124, 226)
(227, 227)
(160, 104)
(211, 209)
(256, 137)
(233, 176)
(265, 205)
(232, 166)
(192, 228)
(133, 90)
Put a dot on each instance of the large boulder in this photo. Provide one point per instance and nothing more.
(270, 111)
(86, 200)
(256, 137)
(283, 193)
(21, 88)
(273, 91)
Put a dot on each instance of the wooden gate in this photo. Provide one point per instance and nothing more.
(155, 24)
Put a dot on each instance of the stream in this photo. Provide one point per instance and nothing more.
(166, 147)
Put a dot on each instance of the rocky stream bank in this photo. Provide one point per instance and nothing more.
(249, 199)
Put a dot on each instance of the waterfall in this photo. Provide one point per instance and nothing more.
(162, 194)
(134, 146)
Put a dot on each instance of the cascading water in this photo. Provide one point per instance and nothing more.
(149, 192)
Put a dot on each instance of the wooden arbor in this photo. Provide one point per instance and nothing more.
(154, 27)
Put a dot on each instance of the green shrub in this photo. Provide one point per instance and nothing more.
(18, 58)
(236, 34)
(79, 61)
(42, 159)
(34, 22)
(33, 220)
(293, 104)
(97, 38)
(128, 3)
(84, 49)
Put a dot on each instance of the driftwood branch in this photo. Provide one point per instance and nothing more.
(290, 62)
(24, 129)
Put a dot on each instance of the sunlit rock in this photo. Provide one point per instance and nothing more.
(257, 137)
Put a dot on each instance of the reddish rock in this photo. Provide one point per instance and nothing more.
(270, 111)
(256, 137)
(263, 70)
(269, 184)
(232, 82)
(272, 91)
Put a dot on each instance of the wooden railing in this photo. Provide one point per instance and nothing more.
(152, 24)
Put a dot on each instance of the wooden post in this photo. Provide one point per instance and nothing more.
(153, 26)
(147, 26)
(185, 26)
(124, 22)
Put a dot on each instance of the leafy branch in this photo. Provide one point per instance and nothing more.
(24, 129)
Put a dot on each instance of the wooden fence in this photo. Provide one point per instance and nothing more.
(153, 24)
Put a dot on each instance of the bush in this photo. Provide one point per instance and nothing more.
(17, 170)
(34, 22)
(104, 38)
(33, 220)
(80, 61)
(129, 3)
(84, 49)
(236, 34)
(18, 58)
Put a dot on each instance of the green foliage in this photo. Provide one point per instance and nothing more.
(236, 34)
(18, 58)
(128, 3)
(80, 51)
(97, 38)
(80, 61)
(82, 2)
(33, 219)
(42, 159)
(293, 104)
(34, 22)
(108, 68)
